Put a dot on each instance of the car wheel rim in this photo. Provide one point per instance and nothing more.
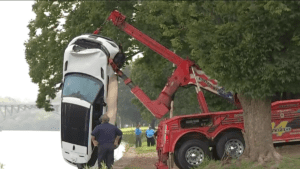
(234, 148)
(194, 155)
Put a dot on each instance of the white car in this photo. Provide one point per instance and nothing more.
(86, 74)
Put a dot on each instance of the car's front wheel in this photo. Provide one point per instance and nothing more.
(192, 153)
(80, 166)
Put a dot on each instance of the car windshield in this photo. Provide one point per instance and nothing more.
(81, 86)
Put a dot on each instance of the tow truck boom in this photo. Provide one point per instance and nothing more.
(186, 73)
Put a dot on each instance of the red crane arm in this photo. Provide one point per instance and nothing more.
(186, 73)
(119, 20)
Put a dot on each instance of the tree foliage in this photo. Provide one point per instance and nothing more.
(48, 38)
(128, 112)
(249, 47)
(166, 22)
(252, 48)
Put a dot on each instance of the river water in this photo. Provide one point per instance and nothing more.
(36, 150)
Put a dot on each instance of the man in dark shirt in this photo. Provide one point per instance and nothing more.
(106, 136)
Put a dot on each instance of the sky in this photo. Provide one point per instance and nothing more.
(14, 70)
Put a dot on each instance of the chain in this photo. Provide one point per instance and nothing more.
(197, 82)
(99, 28)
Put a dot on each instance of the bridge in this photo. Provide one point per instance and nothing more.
(16, 108)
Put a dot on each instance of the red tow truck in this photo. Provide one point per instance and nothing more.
(186, 139)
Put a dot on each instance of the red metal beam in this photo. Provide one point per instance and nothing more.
(119, 20)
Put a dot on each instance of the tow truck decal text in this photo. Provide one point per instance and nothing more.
(280, 128)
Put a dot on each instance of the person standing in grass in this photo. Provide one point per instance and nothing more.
(150, 136)
(138, 136)
(106, 136)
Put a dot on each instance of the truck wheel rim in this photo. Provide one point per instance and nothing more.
(234, 148)
(194, 155)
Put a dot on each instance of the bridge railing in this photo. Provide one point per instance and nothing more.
(16, 108)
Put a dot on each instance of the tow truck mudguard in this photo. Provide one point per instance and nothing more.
(162, 161)
(161, 165)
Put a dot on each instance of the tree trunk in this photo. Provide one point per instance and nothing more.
(153, 123)
(172, 109)
(112, 99)
(258, 131)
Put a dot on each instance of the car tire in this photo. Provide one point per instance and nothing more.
(230, 144)
(93, 158)
(119, 59)
(80, 166)
(198, 147)
(119, 142)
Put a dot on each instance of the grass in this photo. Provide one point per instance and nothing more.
(129, 135)
(286, 163)
(145, 149)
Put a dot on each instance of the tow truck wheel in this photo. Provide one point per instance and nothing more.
(192, 153)
(230, 144)
(176, 159)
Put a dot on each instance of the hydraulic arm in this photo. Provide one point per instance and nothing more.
(186, 73)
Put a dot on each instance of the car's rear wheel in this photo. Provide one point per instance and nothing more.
(192, 153)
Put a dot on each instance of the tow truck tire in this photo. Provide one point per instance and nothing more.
(190, 148)
(176, 159)
(230, 143)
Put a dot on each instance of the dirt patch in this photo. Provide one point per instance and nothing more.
(131, 159)
(127, 159)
